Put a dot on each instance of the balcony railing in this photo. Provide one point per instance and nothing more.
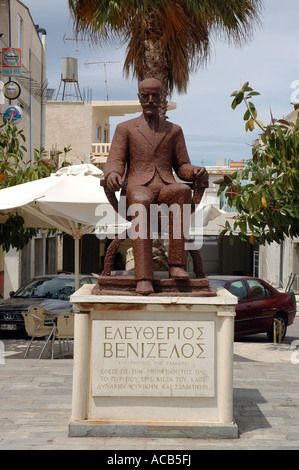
(99, 152)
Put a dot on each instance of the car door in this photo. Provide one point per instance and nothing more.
(239, 289)
(260, 306)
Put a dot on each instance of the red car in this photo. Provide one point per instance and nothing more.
(259, 304)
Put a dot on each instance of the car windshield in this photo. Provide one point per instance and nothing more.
(55, 288)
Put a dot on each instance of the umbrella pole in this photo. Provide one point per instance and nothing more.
(77, 262)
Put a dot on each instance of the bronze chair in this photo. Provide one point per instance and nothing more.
(198, 191)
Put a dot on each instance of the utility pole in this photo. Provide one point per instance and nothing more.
(105, 71)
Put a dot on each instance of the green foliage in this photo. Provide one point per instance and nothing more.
(13, 171)
(14, 235)
(268, 205)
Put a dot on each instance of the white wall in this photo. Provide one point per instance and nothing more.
(11, 272)
(70, 123)
(277, 262)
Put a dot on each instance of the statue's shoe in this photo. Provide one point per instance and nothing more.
(176, 272)
(144, 287)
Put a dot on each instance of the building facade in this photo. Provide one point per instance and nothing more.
(84, 126)
(18, 32)
(19, 36)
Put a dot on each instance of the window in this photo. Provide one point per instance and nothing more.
(238, 288)
(20, 32)
(258, 290)
(106, 136)
(98, 133)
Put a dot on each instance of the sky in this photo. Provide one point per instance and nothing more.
(269, 61)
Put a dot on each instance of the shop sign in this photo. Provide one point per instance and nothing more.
(13, 113)
(11, 61)
(11, 90)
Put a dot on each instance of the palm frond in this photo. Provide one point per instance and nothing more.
(168, 38)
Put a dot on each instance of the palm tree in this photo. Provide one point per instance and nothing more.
(166, 39)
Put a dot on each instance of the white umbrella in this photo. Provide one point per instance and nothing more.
(67, 200)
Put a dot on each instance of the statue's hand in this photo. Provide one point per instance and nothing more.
(114, 182)
(201, 175)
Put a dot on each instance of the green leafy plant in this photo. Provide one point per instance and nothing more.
(267, 205)
(15, 170)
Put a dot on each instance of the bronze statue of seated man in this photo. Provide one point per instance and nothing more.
(149, 149)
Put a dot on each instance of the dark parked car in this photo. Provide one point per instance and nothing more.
(52, 292)
(258, 305)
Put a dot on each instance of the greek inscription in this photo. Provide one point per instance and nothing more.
(141, 358)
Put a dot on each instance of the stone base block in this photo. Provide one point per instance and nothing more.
(153, 366)
(95, 428)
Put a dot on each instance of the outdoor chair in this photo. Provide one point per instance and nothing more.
(38, 311)
(64, 329)
(36, 328)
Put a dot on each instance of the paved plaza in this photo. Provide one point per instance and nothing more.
(36, 395)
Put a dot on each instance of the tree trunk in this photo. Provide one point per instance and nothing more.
(155, 62)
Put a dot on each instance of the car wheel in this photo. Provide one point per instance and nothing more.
(281, 322)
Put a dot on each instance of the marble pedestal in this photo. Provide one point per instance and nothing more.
(153, 366)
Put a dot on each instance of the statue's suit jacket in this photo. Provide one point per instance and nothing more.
(144, 152)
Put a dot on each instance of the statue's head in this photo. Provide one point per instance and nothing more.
(149, 96)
